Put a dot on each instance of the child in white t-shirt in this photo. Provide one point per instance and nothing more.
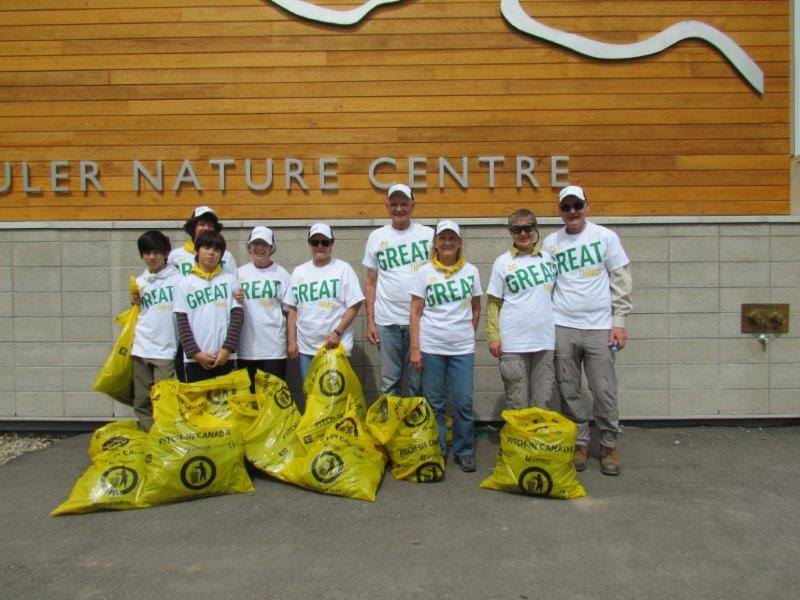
(323, 298)
(263, 342)
(209, 317)
(445, 307)
(155, 338)
(203, 219)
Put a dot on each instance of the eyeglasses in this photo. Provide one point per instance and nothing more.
(570, 206)
(517, 229)
(323, 243)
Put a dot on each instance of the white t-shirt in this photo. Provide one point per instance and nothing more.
(207, 305)
(525, 284)
(183, 260)
(446, 324)
(322, 295)
(264, 328)
(396, 256)
(156, 335)
(582, 296)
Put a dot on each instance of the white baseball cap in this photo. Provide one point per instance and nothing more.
(400, 188)
(447, 224)
(572, 190)
(321, 229)
(261, 233)
(204, 210)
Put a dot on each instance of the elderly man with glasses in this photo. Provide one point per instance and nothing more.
(591, 299)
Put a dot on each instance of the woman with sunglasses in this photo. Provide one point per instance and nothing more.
(519, 315)
(323, 299)
(445, 307)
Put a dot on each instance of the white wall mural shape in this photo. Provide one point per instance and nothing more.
(513, 13)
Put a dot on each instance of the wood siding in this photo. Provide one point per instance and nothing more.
(113, 81)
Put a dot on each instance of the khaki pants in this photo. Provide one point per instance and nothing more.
(146, 372)
(528, 378)
(590, 347)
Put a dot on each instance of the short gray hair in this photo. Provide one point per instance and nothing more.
(521, 213)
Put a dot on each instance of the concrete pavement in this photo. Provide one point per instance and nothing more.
(714, 516)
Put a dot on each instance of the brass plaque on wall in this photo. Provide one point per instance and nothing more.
(765, 318)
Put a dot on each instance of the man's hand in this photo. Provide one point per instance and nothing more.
(205, 360)
(333, 340)
(619, 335)
(372, 334)
(496, 349)
(292, 350)
(238, 295)
(222, 357)
(136, 300)
(415, 358)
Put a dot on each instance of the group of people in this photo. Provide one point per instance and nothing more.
(552, 307)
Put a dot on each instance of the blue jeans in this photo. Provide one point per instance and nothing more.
(395, 348)
(305, 363)
(441, 373)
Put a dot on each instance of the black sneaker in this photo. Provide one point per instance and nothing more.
(466, 463)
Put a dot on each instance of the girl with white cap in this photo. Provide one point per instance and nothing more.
(323, 299)
(203, 219)
(263, 341)
(445, 307)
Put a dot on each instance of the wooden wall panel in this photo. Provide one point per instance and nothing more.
(114, 81)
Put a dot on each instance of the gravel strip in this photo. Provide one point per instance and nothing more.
(16, 444)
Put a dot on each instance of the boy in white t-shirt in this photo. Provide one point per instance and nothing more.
(519, 316)
(203, 219)
(209, 317)
(264, 283)
(155, 338)
(322, 300)
(591, 299)
(393, 255)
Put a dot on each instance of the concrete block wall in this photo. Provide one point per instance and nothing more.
(61, 286)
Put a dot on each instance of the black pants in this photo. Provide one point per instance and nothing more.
(275, 367)
(194, 372)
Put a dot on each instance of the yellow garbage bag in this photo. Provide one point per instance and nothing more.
(271, 443)
(535, 455)
(113, 481)
(116, 375)
(194, 453)
(407, 428)
(343, 462)
(328, 385)
(226, 397)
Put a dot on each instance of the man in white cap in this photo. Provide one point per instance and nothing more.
(203, 219)
(394, 253)
(591, 299)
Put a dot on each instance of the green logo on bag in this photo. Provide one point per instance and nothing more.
(119, 480)
(283, 398)
(536, 482)
(331, 383)
(327, 466)
(418, 416)
(216, 397)
(348, 425)
(429, 472)
(115, 442)
(198, 472)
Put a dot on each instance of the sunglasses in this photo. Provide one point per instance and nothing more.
(570, 206)
(323, 243)
(517, 229)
